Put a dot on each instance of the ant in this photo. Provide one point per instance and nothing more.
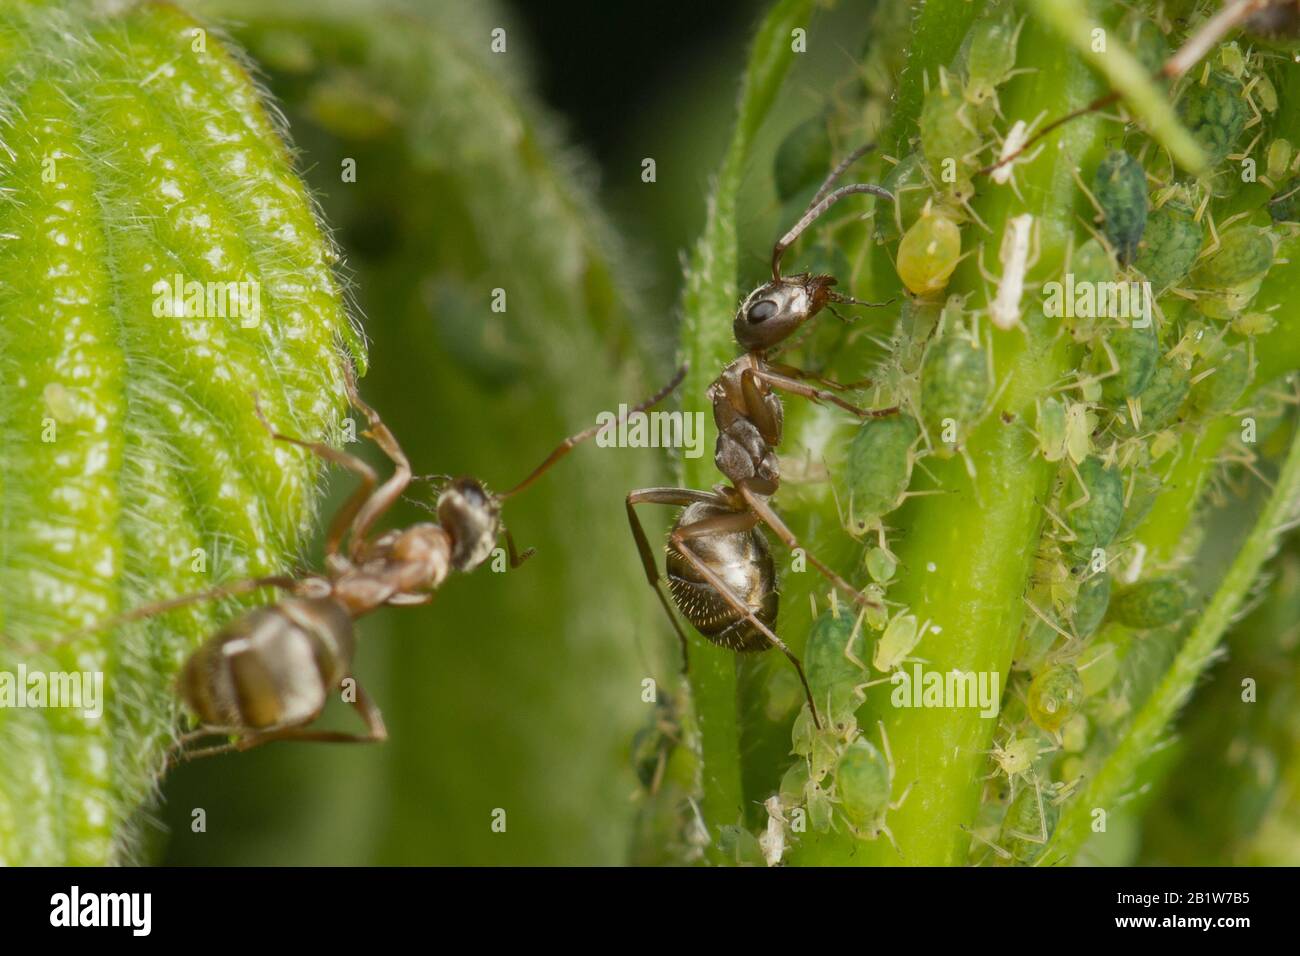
(267, 675)
(718, 564)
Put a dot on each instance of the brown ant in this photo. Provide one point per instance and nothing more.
(267, 675)
(719, 568)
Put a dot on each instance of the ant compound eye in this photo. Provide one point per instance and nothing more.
(761, 311)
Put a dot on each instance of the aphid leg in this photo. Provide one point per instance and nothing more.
(154, 608)
(796, 387)
(740, 521)
(566, 446)
(758, 504)
(344, 517)
(662, 496)
(375, 732)
(1003, 854)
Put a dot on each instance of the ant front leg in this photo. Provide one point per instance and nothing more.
(796, 387)
(516, 558)
(790, 371)
(391, 490)
(662, 496)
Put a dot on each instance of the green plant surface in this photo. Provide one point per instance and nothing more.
(134, 468)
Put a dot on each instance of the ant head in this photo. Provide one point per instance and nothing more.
(774, 310)
(473, 518)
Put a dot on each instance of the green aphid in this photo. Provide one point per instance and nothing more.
(1121, 190)
(1284, 206)
(949, 137)
(803, 159)
(1154, 602)
(1169, 247)
(1142, 497)
(1030, 821)
(793, 783)
(955, 383)
(929, 252)
(881, 565)
(1091, 603)
(878, 467)
(1244, 255)
(821, 811)
(1254, 323)
(911, 190)
(1278, 160)
(990, 56)
(1098, 665)
(1217, 392)
(1136, 352)
(831, 674)
(739, 846)
(864, 783)
(1163, 396)
(1054, 696)
(1094, 517)
(1216, 113)
(1037, 638)
(1092, 263)
(1050, 429)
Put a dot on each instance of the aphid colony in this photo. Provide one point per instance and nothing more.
(1149, 377)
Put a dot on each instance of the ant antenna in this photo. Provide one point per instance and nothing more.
(814, 212)
(573, 440)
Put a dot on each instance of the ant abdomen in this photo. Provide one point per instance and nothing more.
(271, 668)
(743, 561)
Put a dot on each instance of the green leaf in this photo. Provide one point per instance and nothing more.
(136, 149)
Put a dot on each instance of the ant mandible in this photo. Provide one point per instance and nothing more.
(718, 564)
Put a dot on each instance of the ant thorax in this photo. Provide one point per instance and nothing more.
(743, 452)
(473, 519)
(772, 312)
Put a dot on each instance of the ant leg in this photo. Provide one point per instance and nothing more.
(770, 518)
(796, 387)
(375, 732)
(516, 559)
(791, 371)
(282, 581)
(343, 517)
(738, 521)
(374, 507)
(661, 496)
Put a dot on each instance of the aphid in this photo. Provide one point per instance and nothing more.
(1154, 602)
(268, 674)
(1160, 401)
(772, 842)
(654, 743)
(895, 645)
(1144, 488)
(1016, 757)
(719, 567)
(949, 137)
(907, 181)
(1244, 254)
(1278, 159)
(1028, 825)
(1038, 634)
(864, 784)
(1215, 390)
(990, 56)
(1090, 265)
(833, 670)
(1169, 246)
(1146, 39)
(929, 251)
(1132, 354)
(1064, 430)
(881, 565)
(878, 469)
(1254, 323)
(1284, 205)
(1215, 113)
(1091, 602)
(1054, 696)
(1014, 254)
(1094, 518)
(956, 382)
(1013, 145)
(1121, 191)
